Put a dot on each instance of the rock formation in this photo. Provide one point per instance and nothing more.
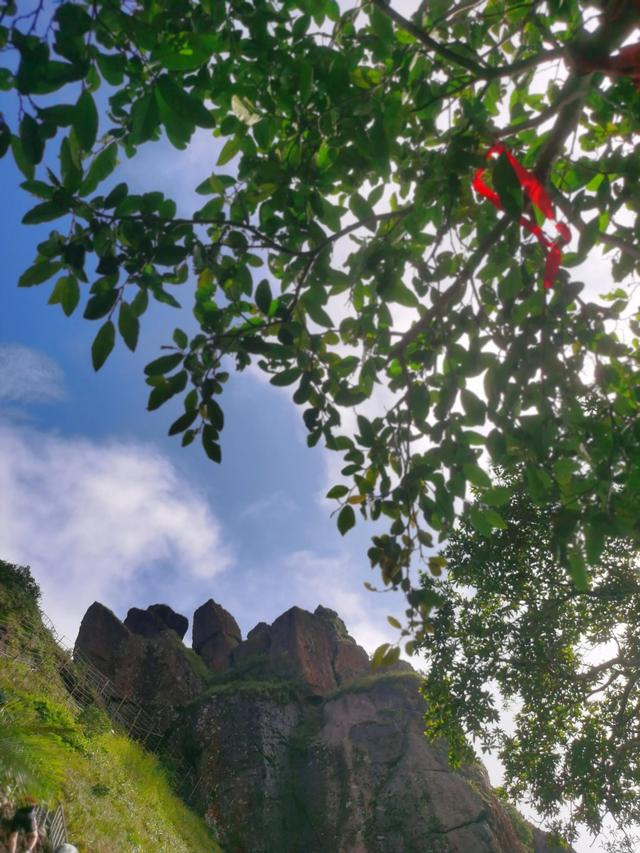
(215, 635)
(293, 744)
(156, 618)
(153, 668)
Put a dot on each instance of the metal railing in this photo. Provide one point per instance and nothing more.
(86, 685)
(53, 824)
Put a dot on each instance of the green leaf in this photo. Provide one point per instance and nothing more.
(66, 293)
(100, 304)
(497, 496)
(479, 521)
(70, 166)
(346, 519)
(128, 325)
(112, 66)
(287, 377)
(116, 196)
(164, 364)
(215, 414)
(103, 344)
(360, 208)
(578, 571)
(180, 338)
(22, 161)
(507, 186)
(101, 168)
(230, 149)
(183, 422)
(476, 476)
(474, 408)
(44, 212)
(379, 654)
(318, 314)
(210, 443)
(263, 296)
(85, 120)
(186, 106)
(393, 622)
(494, 519)
(39, 272)
(392, 657)
(145, 118)
(336, 492)
(31, 139)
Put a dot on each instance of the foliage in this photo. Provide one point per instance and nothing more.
(255, 676)
(30, 761)
(396, 679)
(18, 589)
(566, 661)
(339, 244)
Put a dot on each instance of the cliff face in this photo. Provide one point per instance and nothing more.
(293, 744)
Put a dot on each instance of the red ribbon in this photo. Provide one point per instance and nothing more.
(539, 197)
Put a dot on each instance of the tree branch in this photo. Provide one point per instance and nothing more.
(578, 223)
(481, 72)
(452, 292)
(267, 242)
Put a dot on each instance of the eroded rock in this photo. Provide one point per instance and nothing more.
(215, 635)
(176, 621)
(151, 669)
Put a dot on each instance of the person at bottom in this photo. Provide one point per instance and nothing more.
(24, 820)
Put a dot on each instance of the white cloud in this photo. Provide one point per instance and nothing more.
(95, 520)
(28, 376)
(316, 579)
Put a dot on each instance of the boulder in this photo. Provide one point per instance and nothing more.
(101, 638)
(302, 647)
(176, 621)
(215, 635)
(156, 618)
(258, 643)
(153, 669)
(349, 660)
(144, 622)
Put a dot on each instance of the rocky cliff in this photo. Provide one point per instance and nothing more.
(292, 743)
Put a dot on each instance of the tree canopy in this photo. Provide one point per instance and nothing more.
(513, 629)
(342, 247)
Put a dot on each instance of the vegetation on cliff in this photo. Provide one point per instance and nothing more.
(116, 795)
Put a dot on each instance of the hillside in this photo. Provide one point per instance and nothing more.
(116, 795)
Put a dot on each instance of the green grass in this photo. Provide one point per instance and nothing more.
(254, 677)
(366, 682)
(116, 796)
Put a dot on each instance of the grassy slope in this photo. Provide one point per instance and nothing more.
(116, 796)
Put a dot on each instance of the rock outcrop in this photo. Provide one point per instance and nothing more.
(153, 668)
(215, 635)
(156, 618)
(293, 744)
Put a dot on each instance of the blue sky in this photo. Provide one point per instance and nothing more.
(103, 505)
